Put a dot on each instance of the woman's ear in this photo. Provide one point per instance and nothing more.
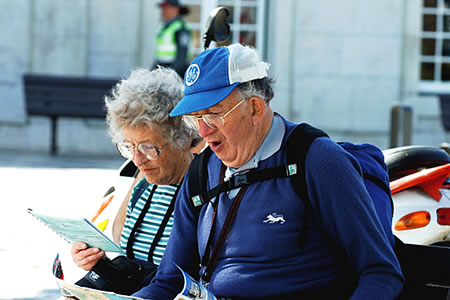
(258, 109)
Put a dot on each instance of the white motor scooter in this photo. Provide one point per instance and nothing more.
(419, 182)
(420, 187)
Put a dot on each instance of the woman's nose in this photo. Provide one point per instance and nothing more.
(138, 157)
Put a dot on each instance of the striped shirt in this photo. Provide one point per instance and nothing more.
(147, 230)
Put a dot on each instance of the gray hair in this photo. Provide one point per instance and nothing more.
(146, 98)
(261, 88)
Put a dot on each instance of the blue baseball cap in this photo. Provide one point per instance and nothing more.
(214, 74)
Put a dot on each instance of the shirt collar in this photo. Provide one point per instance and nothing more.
(270, 145)
(168, 22)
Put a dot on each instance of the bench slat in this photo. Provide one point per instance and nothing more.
(66, 96)
(58, 96)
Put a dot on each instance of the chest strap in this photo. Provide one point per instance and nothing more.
(244, 178)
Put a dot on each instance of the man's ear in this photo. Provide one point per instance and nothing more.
(258, 107)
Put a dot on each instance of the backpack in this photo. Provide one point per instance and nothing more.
(376, 180)
(421, 265)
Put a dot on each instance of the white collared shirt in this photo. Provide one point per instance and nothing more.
(270, 145)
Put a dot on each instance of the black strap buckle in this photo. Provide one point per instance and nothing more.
(239, 179)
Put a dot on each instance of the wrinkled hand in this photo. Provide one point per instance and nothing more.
(85, 257)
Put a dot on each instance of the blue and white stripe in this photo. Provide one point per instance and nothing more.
(146, 232)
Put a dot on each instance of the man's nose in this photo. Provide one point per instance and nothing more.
(203, 129)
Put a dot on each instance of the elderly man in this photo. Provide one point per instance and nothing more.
(243, 244)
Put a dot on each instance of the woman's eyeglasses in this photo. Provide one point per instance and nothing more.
(128, 150)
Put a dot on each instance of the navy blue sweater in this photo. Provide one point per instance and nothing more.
(262, 259)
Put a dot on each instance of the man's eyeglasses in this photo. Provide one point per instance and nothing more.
(214, 121)
(128, 150)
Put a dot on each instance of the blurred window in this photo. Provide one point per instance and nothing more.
(435, 47)
(246, 21)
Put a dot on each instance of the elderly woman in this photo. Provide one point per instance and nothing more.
(161, 147)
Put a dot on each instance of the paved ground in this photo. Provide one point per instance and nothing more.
(71, 186)
(38, 160)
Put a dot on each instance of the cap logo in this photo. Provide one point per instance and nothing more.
(192, 74)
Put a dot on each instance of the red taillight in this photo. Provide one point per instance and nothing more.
(443, 215)
(413, 220)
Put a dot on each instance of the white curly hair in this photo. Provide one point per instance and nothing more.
(146, 98)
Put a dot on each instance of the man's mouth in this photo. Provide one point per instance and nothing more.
(215, 145)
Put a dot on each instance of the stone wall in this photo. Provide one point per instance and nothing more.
(342, 65)
(89, 38)
(339, 65)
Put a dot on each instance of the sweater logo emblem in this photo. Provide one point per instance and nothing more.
(274, 218)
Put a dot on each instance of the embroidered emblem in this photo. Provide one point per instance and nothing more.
(274, 218)
(192, 74)
(292, 169)
(93, 276)
(197, 201)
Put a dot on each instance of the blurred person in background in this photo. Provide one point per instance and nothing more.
(161, 147)
(173, 41)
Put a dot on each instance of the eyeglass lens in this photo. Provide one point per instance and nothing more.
(150, 151)
(213, 121)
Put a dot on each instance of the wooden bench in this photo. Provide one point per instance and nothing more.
(60, 96)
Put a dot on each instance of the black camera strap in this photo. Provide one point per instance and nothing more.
(210, 260)
(161, 228)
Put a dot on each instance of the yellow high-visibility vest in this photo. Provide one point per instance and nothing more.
(166, 45)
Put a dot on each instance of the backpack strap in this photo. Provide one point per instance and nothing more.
(198, 192)
(139, 190)
(161, 228)
(197, 179)
(138, 222)
(163, 224)
(382, 185)
(297, 146)
(298, 143)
